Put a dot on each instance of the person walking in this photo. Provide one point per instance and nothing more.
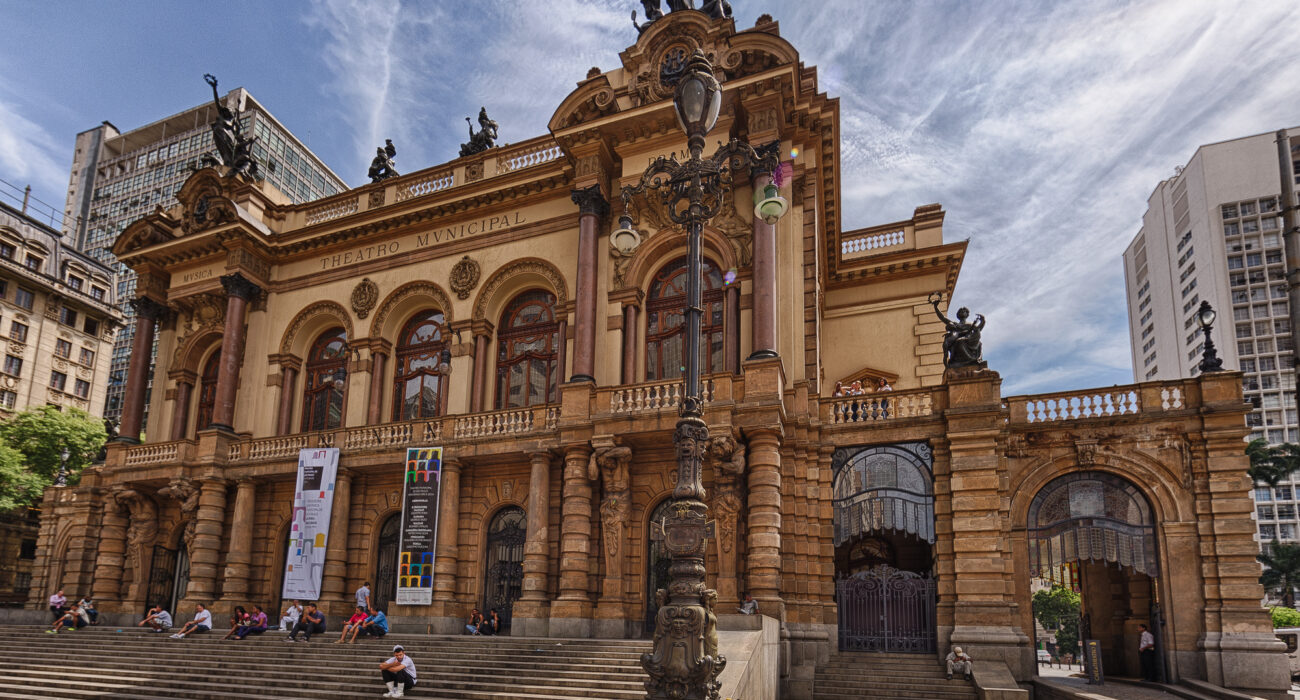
(398, 673)
(1147, 653)
(363, 596)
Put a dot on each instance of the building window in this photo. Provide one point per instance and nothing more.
(90, 326)
(1229, 211)
(1263, 494)
(75, 282)
(1268, 532)
(97, 293)
(1264, 512)
(6, 251)
(322, 401)
(24, 298)
(665, 322)
(62, 348)
(208, 391)
(8, 399)
(528, 343)
(34, 262)
(13, 365)
(87, 357)
(417, 377)
(58, 380)
(81, 388)
(18, 331)
(68, 317)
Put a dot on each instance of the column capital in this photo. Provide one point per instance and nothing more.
(770, 148)
(237, 285)
(284, 361)
(146, 307)
(628, 296)
(590, 200)
(540, 455)
(451, 464)
(183, 376)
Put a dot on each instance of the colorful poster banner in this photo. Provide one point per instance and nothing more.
(423, 476)
(313, 501)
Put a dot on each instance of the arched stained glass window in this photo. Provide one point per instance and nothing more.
(322, 406)
(665, 319)
(1091, 516)
(882, 488)
(528, 344)
(208, 390)
(417, 380)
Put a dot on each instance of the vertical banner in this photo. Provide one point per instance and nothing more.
(420, 484)
(313, 501)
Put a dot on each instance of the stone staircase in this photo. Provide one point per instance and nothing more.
(102, 662)
(856, 675)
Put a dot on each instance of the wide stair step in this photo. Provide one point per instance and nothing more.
(108, 663)
(855, 675)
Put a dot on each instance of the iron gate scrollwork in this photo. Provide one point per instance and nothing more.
(504, 574)
(162, 576)
(884, 609)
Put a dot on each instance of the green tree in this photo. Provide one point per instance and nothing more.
(1270, 465)
(1282, 574)
(1058, 608)
(1285, 617)
(18, 486)
(41, 434)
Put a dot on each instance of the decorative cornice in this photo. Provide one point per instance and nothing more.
(236, 285)
(590, 201)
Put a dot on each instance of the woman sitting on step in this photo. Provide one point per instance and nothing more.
(256, 624)
(238, 619)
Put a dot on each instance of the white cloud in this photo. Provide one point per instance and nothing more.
(30, 156)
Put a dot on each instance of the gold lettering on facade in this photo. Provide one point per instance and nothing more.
(196, 276)
(424, 240)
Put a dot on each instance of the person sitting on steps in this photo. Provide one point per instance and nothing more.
(256, 624)
(749, 606)
(398, 672)
(474, 621)
(353, 625)
(491, 623)
(958, 662)
(74, 619)
(238, 618)
(376, 625)
(58, 604)
(87, 604)
(202, 622)
(312, 622)
(290, 616)
(158, 619)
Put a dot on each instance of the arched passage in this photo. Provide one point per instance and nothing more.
(503, 567)
(386, 552)
(1094, 533)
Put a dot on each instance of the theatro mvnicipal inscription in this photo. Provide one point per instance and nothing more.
(423, 240)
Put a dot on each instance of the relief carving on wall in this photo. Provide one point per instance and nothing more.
(464, 275)
(725, 455)
(200, 313)
(377, 198)
(364, 297)
(609, 463)
(186, 491)
(140, 534)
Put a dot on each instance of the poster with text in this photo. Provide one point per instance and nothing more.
(420, 482)
(312, 503)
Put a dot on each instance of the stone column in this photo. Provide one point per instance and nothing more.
(288, 395)
(764, 314)
(571, 611)
(334, 588)
(111, 557)
(205, 549)
(629, 342)
(763, 562)
(726, 457)
(733, 329)
(482, 341)
(375, 411)
(181, 409)
(239, 557)
(147, 313)
(532, 611)
(562, 350)
(592, 207)
(238, 293)
(447, 618)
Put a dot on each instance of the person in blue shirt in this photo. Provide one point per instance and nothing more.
(376, 625)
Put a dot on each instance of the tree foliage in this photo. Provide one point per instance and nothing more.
(1282, 574)
(1058, 608)
(1272, 464)
(38, 436)
(1285, 617)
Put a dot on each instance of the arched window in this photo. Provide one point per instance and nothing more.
(418, 381)
(664, 320)
(322, 407)
(208, 390)
(528, 342)
(1091, 516)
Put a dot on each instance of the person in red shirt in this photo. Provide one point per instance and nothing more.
(353, 625)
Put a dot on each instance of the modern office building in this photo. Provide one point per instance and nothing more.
(1213, 231)
(119, 177)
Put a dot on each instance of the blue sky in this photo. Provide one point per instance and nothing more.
(1041, 127)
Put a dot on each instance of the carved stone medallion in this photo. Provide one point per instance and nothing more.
(464, 275)
(376, 201)
(364, 297)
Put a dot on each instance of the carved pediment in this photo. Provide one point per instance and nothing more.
(146, 232)
(205, 202)
(593, 99)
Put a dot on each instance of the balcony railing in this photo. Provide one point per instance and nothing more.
(508, 422)
(878, 407)
(157, 453)
(655, 396)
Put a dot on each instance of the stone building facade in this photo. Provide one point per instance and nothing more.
(478, 306)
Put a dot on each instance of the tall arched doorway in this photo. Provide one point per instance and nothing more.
(169, 576)
(390, 535)
(503, 573)
(1094, 533)
(657, 562)
(884, 536)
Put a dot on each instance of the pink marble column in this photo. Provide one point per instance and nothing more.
(181, 410)
(482, 341)
(592, 207)
(764, 282)
(629, 343)
(733, 329)
(288, 377)
(238, 293)
(147, 313)
(375, 412)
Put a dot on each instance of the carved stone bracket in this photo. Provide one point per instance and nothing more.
(590, 201)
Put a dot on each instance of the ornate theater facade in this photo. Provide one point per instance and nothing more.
(480, 306)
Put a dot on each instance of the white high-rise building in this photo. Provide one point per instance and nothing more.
(1213, 232)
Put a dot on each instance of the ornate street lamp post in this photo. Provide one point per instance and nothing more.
(62, 479)
(685, 663)
(1210, 361)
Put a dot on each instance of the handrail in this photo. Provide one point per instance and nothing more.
(655, 396)
(878, 406)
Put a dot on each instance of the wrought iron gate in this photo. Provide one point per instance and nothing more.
(169, 576)
(504, 573)
(886, 610)
(658, 561)
(386, 563)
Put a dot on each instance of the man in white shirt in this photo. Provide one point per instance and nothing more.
(290, 616)
(159, 620)
(958, 662)
(363, 596)
(749, 606)
(202, 622)
(1147, 654)
(398, 672)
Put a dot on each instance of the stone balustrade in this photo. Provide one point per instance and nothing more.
(655, 396)
(878, 407)
(425, 184)
(528, 154)
(155, 453)
(1075, 405)
(334, 208)
(508, 422)
(866, 244)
